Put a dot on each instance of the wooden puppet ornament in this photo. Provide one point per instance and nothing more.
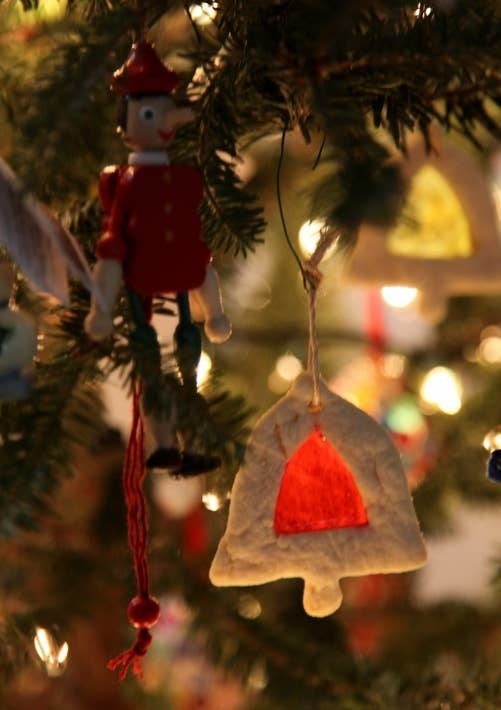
(153, 245)
(321, 495)
(447, 240)
(152, 240)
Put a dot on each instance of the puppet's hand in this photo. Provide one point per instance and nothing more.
(217, 329)
(98, 325)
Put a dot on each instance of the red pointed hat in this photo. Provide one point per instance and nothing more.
(144, 73)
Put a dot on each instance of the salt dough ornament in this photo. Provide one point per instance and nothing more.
(321, 495)
(447, 241)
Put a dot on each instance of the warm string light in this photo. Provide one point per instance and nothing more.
(422, 10)
(489, 349)
(203, 368)
(399, 296)
(249, 607)
(257, 679)
(53, 655)
(309, 237)
(492, 440)
(203, 13)
(442, 390)
(287, 368)
(212, 501)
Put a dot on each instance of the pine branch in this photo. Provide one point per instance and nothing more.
(231, 218)
(14, 655)
(36, 433)
(307, 664)
(403, 70)
(57, 116)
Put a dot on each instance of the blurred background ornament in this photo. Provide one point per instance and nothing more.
(177, 497)
(18, 342)
(494, 466)
(492, 442)
(378, 386)
(446, 242)
(39, 244)
(181, 499)
(371, 614)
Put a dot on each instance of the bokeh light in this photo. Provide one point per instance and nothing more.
(442, 389)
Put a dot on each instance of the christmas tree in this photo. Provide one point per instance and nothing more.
(341, 161)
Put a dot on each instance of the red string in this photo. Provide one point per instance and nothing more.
(133, 475)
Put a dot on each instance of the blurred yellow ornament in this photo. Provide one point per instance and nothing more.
(446, 242)
(434, 224)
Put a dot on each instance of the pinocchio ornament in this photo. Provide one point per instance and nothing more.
(153, 238)
(152, 243)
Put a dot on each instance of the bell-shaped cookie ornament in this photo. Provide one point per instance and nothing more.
(321, 495)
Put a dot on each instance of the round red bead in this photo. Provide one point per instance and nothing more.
(144, 612)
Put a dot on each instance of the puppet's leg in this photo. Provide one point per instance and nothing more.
(166, 454)
(158, 411)
(207, 299)
(174, 453)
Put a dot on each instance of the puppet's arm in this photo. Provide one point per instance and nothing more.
(99, 322)
(111, 251)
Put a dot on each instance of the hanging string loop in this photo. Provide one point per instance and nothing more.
(312, 279)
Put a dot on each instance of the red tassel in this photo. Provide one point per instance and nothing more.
(132, 657)
(144, 610)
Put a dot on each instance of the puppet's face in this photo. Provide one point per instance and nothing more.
(152, 122)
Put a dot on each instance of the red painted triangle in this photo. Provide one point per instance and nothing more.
(317, 491)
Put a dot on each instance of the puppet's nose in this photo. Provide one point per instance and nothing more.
(166, 135)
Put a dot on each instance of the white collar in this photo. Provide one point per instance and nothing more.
(149, 157)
